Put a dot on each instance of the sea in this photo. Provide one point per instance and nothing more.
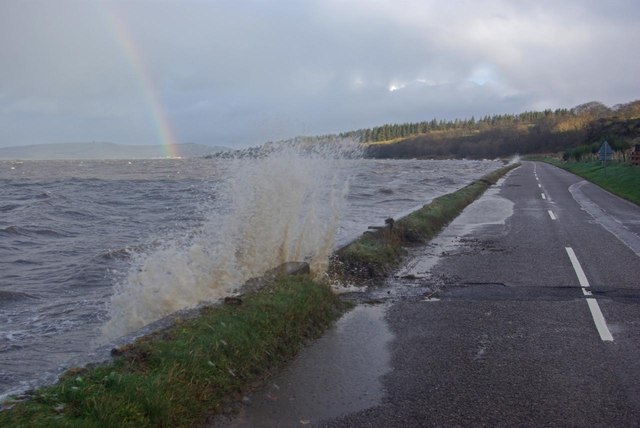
(91, 251)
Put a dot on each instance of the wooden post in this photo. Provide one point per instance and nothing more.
(635, 155)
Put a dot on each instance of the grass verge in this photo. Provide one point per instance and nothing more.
(177, 377)
(622, 179)
(377, 253)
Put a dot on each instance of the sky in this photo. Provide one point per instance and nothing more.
(240, 73)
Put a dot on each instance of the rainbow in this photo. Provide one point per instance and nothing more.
(156, 109)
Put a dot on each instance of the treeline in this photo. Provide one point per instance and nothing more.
(562, 130)
(394, 131)
(493, 143)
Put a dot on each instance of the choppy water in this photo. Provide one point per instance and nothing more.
(94, 249)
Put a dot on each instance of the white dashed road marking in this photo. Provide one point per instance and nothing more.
(596, 313)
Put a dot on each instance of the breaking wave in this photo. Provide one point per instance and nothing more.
(283, 205)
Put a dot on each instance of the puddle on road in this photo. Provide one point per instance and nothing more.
(490, 209)
(414, 279)
(338, 374)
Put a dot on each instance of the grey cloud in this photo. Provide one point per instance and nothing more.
(238, 73)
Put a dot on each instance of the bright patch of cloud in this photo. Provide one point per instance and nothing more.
(482, 75)
(396, 86)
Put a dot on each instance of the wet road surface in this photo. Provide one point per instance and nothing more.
(525, 311)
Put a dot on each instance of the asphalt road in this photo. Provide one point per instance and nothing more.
(536, 321)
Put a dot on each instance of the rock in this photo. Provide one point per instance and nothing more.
(291, 268)
(233, 301)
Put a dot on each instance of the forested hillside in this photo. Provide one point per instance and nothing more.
(572, 131)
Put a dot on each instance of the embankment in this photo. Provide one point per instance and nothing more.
(182, 375)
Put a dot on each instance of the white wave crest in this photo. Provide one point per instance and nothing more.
(282, 206)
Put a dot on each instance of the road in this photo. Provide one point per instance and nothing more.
(535, 320)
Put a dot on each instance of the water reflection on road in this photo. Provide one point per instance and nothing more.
(338, 374)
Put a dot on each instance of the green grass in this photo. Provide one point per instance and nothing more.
(377, 253)
(180, 376)
(622, 179)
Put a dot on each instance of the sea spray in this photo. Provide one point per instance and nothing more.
(285, 205)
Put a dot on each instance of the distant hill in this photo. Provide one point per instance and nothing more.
(102, 151)
(583, 127)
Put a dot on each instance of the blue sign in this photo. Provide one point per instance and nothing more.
(605, 152)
